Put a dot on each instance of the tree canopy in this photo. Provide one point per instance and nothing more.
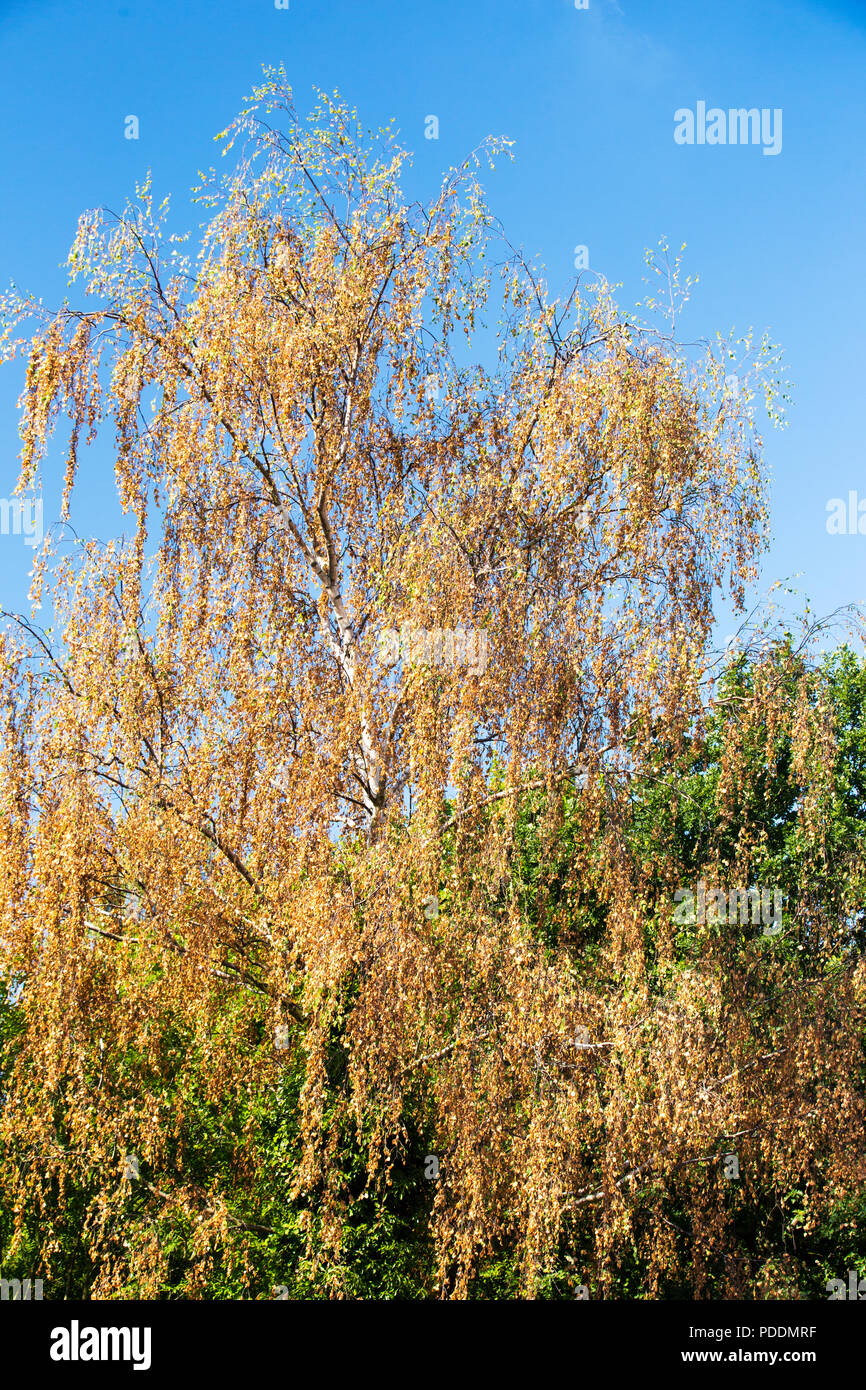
(290, 907)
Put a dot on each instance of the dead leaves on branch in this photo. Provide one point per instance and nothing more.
(216, 796)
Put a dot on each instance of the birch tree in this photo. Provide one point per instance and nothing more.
(410, 539)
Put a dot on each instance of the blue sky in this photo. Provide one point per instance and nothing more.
(589, 98)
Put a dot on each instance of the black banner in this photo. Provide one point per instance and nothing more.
(175, 1341)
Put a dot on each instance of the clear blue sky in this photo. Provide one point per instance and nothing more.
(589, 97)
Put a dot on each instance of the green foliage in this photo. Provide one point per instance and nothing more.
(243, 1149)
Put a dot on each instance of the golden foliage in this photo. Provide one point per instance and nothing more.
(214, 782)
